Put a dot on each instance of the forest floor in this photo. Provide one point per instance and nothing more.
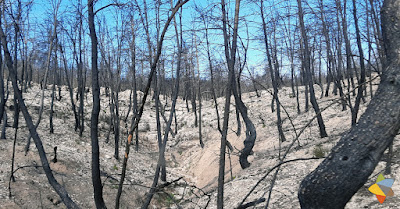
(195, 167)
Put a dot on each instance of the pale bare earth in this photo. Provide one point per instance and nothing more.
(185, 157)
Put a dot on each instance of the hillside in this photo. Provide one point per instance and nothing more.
(197, 166)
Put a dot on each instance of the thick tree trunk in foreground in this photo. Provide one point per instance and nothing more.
(355, 156)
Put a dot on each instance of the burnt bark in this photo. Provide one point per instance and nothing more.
(354, 158)
(306, 64)
(96, 180)
(136, 119)
(230, 54)
(274, 73)
(211, 67)
(32, 129)
(70, 89)
(361, 81)
(2, 96)
(161, 168)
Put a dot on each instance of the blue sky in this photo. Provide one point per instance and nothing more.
(250, 19)
(43, 8)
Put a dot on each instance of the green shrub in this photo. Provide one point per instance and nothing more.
(319, 151)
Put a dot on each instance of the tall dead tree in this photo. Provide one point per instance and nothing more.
(334, 76)
(53, 89)
(79, 62)
(97, 186)
(161, 158)
(46, 73)
(32, 129)
(199, 93)
(2, 95)
(361, 81)
(345, 170)
(17, 21)
(230, 54)
(70, 88)
(274, 75)
(349, 69)
(290, 50)
(211, 68)
(306, 64)
(136, 119)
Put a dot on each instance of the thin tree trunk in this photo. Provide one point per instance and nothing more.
(159, 137)
(53, 88)
(210, 65)
(44, 83)
(274, 75)
(230, 58)
(199, 95)
(32, 129)
(193, 93)
(4, 125)
(349, 69)
(306, 62)
(136, 120)
(362, 73)
(161, 158)
(2, 96)
(378, 35)
(96, 180)
(70, 88)
(369, 52)
(16, 28)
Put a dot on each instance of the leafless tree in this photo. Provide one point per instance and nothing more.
(97, 186)
(136, 119)
(333, 182)
(306, 65)
(32, 129)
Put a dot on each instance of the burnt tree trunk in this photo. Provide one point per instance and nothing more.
(70, 88)
(230, 54)
(361, 81)
(306, 61)
(210, 65)
(350, 163)
(274, 76)
(136, 119)
(32, 129)
(97, 186)
(2, 96)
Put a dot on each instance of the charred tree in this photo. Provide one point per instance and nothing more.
(274, 75)
(361, 81)
(136, 119)
(353, 159)
(96, 181)
(306, 64)
(70, 88)
(230, 54)
(32, 129)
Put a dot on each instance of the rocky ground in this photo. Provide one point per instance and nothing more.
(195, 167)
